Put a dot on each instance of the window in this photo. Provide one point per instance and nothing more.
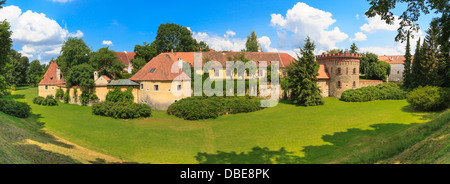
(346, 71)
(260, 73)
(46, 87)
(142, 86)
(152, 70)
(398, 72)
(354, 84)
(339, 71)
(339, 84)
(216, 73)
(228, 73)
(179, 87)
(53, 88)
(354, 70)
(155, 87)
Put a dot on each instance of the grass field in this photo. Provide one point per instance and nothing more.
(284, 134)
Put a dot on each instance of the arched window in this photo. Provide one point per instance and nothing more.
(354, 70)
(339, 84)
(339, 71)
(354, 84)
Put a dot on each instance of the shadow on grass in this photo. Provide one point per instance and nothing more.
(14, 97)
(103, 161)
(342, 145)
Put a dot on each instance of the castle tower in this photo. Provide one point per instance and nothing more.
(343, 69)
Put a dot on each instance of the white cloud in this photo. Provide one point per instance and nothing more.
(229, 33)
(359, 36)
(39, 36)
(219, 43)
(107, 42)
(376, 24)
(302, 21)
(357, 16)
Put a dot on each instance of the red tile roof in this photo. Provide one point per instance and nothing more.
(106, 78)
(396, 59)
(50, 77)
(159, 69)
(125, 57)
(323, 74)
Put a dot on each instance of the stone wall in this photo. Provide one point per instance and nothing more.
(396, 73)
(365, 83)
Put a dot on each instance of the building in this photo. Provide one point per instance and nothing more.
(161, 81)
(126, 57)
(397, 67)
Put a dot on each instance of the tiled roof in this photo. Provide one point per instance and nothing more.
(106, 78)
(125, 57)
(159, 69)
(396, 59)
(123, 82)
(223, 57)
(323, 74)
(50, 77)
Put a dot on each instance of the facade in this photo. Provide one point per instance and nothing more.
(161, 81)
(397, 67)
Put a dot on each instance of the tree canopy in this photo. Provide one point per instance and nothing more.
(174, 37)
(5, 48)
(374, 68)
(73, 52)
(35, 73)
(354, 49)
(106, 63)
(252, 45)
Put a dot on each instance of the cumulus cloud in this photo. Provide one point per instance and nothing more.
(107, 42)
(376, 24)
(229, 33)
(359, 36)
(302, 21)
(40, 37)
(220, 43)
(396, 48)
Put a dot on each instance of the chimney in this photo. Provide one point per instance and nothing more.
(259, 49)
(180, 63)
(58, 74)
(171, 51)
(95, 75)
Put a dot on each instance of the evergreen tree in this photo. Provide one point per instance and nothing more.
(354, 49)
(303, 77)
(252, 44)
(416, 68)
(407, 64)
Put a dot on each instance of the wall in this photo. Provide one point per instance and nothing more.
(163, 98)
(324, 85)
(396, 73)
(365, 83)
(347, 63)
(51, 90)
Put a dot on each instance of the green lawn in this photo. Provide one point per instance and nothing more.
(324, 134)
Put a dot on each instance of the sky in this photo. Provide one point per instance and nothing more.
(41, 26)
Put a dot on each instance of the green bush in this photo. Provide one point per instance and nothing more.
(117, 95)
(121, 110)
(13, 108)
(66, 96)
(196, 108)
(49, 101)
(384, 91)
(59, 94)
(429, 98)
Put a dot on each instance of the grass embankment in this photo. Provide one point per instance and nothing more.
(284, 134)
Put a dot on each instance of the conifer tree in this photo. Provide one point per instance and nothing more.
(407, 63)
(252, 44)
(417, 69)
(354, 49)
(303, 77)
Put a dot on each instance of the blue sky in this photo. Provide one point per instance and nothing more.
(40, 26)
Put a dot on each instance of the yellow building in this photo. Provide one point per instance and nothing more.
(52, 80)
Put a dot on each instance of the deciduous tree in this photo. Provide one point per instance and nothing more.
(34, 73)
(106, 63)
(252, 44)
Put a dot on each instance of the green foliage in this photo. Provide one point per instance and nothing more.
(49, 101)
(106, 63)
(302, 77)
(16, 73)
(335, 51)
(252, 45)
(374, 68)
(407, 63)
(429, 98)
(145, 52)
(73, 52)
(75, 95)
(121, 110)
(82, 76)
(35, 73)
(117, 95)
(6, 44)
(354, 49)
(385, 91)
(59, 94)
(66, 96)
(13, 108)
(138, 64)
(196, 108)
(174, 37)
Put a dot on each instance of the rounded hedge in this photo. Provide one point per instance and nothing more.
(121, 110)
(13, 108)
(429, 98)
(49, 101)
(384, 91)
(196, 108)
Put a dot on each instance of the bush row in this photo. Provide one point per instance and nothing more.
(429, 98)
(196, 108)
(384, 91)
(121, 110)
(13, 108)
(49, 101)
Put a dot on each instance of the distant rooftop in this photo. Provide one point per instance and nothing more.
(123, 82)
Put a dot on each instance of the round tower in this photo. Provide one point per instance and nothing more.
(343, 69)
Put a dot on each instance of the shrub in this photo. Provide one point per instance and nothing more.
(13, 108)
(196, 108)
(66, 96)
(59, 94)
(384, 91)
(49, 101)
(121, 110)
(117, 95)
(429, 98)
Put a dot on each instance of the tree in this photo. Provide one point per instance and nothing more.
(417, 69)
(302, 78)
(146, 51)
(354, 49)
(335, 51)
(252, 44)
(34, 73)
(16, 73)
(373, 68)
(2, 2)
(5, 48)
(73, 52)
(82, 76)
(202, 46)
(138, 64)
(106, 63)
(174, 37)
(407, 64)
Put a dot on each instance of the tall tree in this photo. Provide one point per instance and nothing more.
(106, 63)
(73, 52)
(146, 51)
(202, 46)
(34, 73)
(82, 76)
(373, 68)
(354, 49)
(252, 44)
(2, 2)
(16, 73)
(174, 37)
(303, 77)
(138, 64)
(407, 63)
(5, 48)
(417, 69)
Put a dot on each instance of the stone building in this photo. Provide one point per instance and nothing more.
(397, 67)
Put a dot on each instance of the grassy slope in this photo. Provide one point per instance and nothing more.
(324, 134)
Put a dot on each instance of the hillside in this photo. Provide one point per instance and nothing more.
(23, 142)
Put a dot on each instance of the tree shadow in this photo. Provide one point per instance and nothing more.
(14, 97)
(103, 161)
(340, 146)
(421, 114)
